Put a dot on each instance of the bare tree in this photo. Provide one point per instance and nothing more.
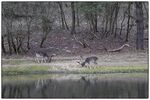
(46, 26)
(128, 22)
(73, 18)
(3, 45)
(63, 19)
(117, 7)
(140, 26)
(77, 16)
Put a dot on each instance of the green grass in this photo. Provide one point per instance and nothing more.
(34, 69)
(116, 69)
(24, 70)
(30, 77)
(16, 61)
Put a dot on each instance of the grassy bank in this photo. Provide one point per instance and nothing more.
(45, 69)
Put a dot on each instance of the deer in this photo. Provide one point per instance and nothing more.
(42, 57)
(88, 60)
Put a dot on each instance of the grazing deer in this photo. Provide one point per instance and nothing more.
(89, 60)
(43, 57)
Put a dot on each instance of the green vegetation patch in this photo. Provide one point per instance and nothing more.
(16, 61)
(115, 69)
(44, 69)
(25, 70)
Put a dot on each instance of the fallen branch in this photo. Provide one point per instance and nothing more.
(95, 36)
(77, 40)
(118, 49)
(84, 44)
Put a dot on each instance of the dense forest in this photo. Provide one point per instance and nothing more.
(73, 27)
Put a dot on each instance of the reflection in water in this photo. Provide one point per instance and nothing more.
(79, 88)
(40, 83)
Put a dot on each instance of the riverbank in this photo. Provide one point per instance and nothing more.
(107, 63)
(36, 69)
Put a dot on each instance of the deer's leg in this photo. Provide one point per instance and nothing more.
(38, 60)
(89, 67)
(41, 60)
(48, 59)
(44, 60)
(95, 62)
(35, 59)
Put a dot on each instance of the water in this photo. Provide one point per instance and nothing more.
(82, 86)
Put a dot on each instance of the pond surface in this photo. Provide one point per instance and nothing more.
(74, 86)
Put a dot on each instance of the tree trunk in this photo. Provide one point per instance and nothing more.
(106, 27)
(111, 19)
(9, 43)
(3, 45)
(77, 12)
(13, 43)
(19, 46)
(28, 42)
(128, 22)
(140, 26)
(115, 21)
(95, 22)
(122, 24)
(61, 13)
(73, 18)
(28, 32)
(43, 39)
(63, 20)
(145, 9)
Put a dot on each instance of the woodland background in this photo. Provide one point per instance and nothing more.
(73, 28)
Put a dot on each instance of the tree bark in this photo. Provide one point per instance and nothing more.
(3, 45)
(95, 22)
(111, 19)
(73, 18)
(63, 19)
(140, 26)
(61, 13)
(28, 32)
(128, 23)
(9, 43)
(77, 13)
(13, 43)
(145, 9)
(43, 40)
(115, 19)
(122, 24)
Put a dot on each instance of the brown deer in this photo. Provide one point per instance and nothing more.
(89, 60)
(42, 57)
